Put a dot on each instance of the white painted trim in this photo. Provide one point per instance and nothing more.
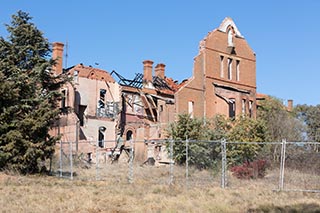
(226, 23)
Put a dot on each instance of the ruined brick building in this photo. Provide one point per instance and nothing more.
(224, 76)
(96, 107)
(89, 106)
(147, 109)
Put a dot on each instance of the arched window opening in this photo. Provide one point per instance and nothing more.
(101, 132)
(129, 135)
(230, 38)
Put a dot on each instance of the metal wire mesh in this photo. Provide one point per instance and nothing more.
(293, 166)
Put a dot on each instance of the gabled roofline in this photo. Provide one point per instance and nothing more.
(226, 23)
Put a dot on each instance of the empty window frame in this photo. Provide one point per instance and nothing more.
(129, 135)
(238, 70)
(230, 38)
(232, 108)
(251, 109)
(75, 75)
(101, 132)
(243, 106)
(229, 68)
(102, 99)
(190, 108)
(221, 66)
(161, 108)
(64, 98)
(81, 115)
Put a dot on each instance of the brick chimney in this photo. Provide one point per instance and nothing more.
(57, 54)
(290, 105)
(147, 71)
(159, 70)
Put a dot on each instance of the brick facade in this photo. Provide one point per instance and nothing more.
(224, 76)
(89, 106)
(96, 107)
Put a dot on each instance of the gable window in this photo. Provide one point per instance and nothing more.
(229, 68)
(238, 70)
(230, 38)
(221, 66)
(190, 108)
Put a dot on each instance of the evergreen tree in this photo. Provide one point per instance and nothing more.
(28, 97)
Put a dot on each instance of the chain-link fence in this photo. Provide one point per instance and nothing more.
(293, 166)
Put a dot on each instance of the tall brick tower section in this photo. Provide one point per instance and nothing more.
(224, 76)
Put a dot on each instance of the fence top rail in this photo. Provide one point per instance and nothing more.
(195, 141)
(295, 143)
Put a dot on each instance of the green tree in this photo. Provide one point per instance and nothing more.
(28, 97)
(280, 123)
(198, 132)
(245, 130)
(310, 116)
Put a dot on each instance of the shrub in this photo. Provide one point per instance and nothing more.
(250, 170)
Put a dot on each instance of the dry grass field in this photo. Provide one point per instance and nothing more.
(113, 193)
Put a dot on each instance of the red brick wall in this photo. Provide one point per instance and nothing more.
(207, 72)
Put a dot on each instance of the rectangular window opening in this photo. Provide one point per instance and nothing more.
(63, 98)
(82, 109)
(232, 108)
(75, 75)
(161, 108)
(250, 109)
(229, 68)
(190, 108)
(102, 99)
(238, 70)
(221, 67)
(243, 106)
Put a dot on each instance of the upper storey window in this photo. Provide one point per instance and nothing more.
(75, 75)
(190, 108)
(230, 38)
(229, 68)
(221, 67)
(238, 70)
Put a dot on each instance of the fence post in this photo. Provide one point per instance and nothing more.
(282, 162)
(97, 160)
(130, 175)
(71, 160)
(60, 160)
(171, 162)
(187, 161)
(223, 164)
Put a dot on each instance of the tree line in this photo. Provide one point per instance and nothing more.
(274, 123)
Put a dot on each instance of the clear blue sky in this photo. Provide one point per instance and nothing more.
(120, 34)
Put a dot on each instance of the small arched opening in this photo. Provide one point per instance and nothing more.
(101, 133)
